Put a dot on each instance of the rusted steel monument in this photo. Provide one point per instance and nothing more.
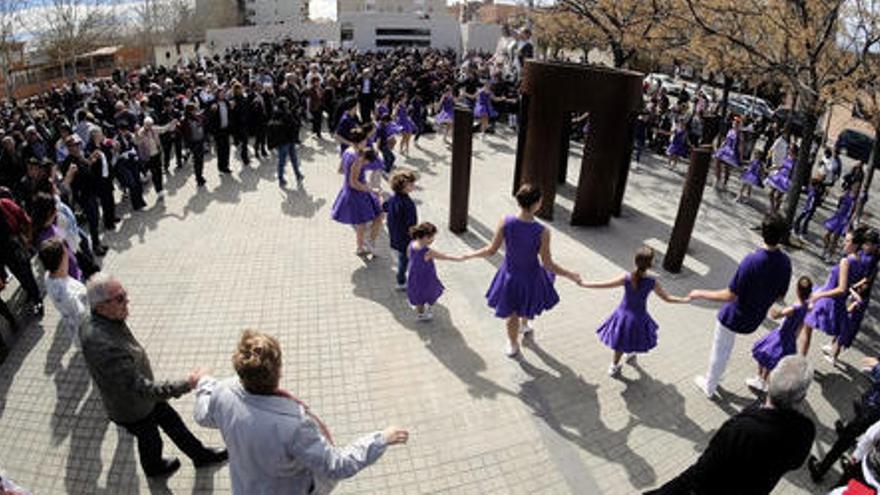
(551, 91)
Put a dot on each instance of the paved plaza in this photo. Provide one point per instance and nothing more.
(243, 253)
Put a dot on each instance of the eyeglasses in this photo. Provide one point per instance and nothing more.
(120, 298)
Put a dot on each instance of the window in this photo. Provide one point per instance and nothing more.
(402, 32)
(395, 42)
(346, 34)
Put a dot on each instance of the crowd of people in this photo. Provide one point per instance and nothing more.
(65, 153)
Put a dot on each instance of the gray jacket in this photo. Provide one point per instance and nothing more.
(122, 372)
(275, 447)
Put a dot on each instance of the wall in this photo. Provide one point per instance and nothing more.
(480, 37)
(161, 53)
(444, 29)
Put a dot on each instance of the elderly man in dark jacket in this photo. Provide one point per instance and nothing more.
(132, 397)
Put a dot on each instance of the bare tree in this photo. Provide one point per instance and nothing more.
(813, 45)
(10, 23)
(171, 21)
(71, 28)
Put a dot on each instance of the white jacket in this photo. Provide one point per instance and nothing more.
(274, 446)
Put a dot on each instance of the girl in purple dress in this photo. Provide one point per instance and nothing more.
(836, 225)
(782, 341)
(405, 124)
(523, 287)
(728, 155)
(828, 312)
(780, 179)
(356, 204)
(484, 111)
(678, 144)
(447, 112)
(384, 107)
(423, 287)
(752, 177)
(630, 329)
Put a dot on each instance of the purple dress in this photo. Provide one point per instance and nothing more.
(780, 342)
(522, 286)
(382, 109)
(484, 106)
(354, 207)
(867, 265)
(630, 328)
(838, 223)
(781, 179)
(404, 123)
(729, 150)
(678, 145)
(422, 284)
(752, 175)
(829, 313)
(447, 110)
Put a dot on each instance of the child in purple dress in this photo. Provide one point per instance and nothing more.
(447, 112)
(484, 111)
(356, 204)
(630, 329)
(422, 286)
(780, 178)
(728, 155)
(828, 312)
(752, 177)
(405, 124)
(782, 341)
(836, 225)
(678, 144)
(523, 287)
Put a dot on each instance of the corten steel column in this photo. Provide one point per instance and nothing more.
(555, 88)
(522, 126)
(460, 183)
(688, 207)
(564, 148)
(623, 168)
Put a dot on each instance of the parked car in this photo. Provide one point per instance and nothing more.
(854, 144)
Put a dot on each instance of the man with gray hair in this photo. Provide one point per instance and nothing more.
(754, 449)
(132, 397)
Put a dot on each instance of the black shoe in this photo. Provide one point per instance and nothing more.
(211, 456)
(168, 466)
(200, 182)
(225, 171)
(100, 250)
(839, 427)
(816, 473)
(37, 309)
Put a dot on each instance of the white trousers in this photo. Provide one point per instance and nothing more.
(722, 346)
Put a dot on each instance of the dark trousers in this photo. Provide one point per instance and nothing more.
(402, 263)
(387, 157)
(149, 442)
(89, 205)
(197, 149)
(108, 205)
(846, 439)
(260, 141)
(365, 106)
(169, 143)
(803, 219)
(7, 315)
(222, 141)
(241, 140)
(317, 117)
(127, 173)
(15, 257)
(154, 165)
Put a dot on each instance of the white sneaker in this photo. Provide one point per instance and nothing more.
(831, 359)
(614, 369)
(510, 350)
(400, 287)
(526, 330)
(703, 385)
(826, 349)
(424, 316)
(756, 383)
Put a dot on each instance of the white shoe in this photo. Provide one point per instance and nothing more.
(826, 349)
(703, 385)
(400, 287)
(614, 369)
(510, 350)
(831, 359)
(526, 330)
(161, 194)
(756, 383)
(424, 316)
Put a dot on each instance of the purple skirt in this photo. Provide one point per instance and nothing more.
(771, 348)
(484, 111)
(626, 331)
(677, 149)
(779, 181)
(753, 178)
(829, 315)
(728, 156)
(355, 207)
(444, 117)
(521, 294)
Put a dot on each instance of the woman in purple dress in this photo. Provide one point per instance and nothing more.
(423, 288)
(405, 124)
(484, 111)
(356, 204)
(728, 155)
(752, 177)
(836, 225)
(447, 112)
(782, 341)
(828, 312)
(630, 329)
(678, 144)
(523, 287)
(780, 179)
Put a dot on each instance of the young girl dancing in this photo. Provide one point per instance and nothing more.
(422, 286)
(630, 329)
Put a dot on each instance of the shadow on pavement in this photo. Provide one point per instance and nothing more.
(26, 340)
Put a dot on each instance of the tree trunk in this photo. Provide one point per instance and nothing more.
(725, 97)
(801, 174)
(619, 56)
(873, 162)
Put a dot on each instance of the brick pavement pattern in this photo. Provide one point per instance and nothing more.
(243, 253)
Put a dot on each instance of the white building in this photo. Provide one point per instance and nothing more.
(387, 24)
(265, 12)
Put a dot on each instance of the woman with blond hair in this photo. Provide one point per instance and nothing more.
(276, 444)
